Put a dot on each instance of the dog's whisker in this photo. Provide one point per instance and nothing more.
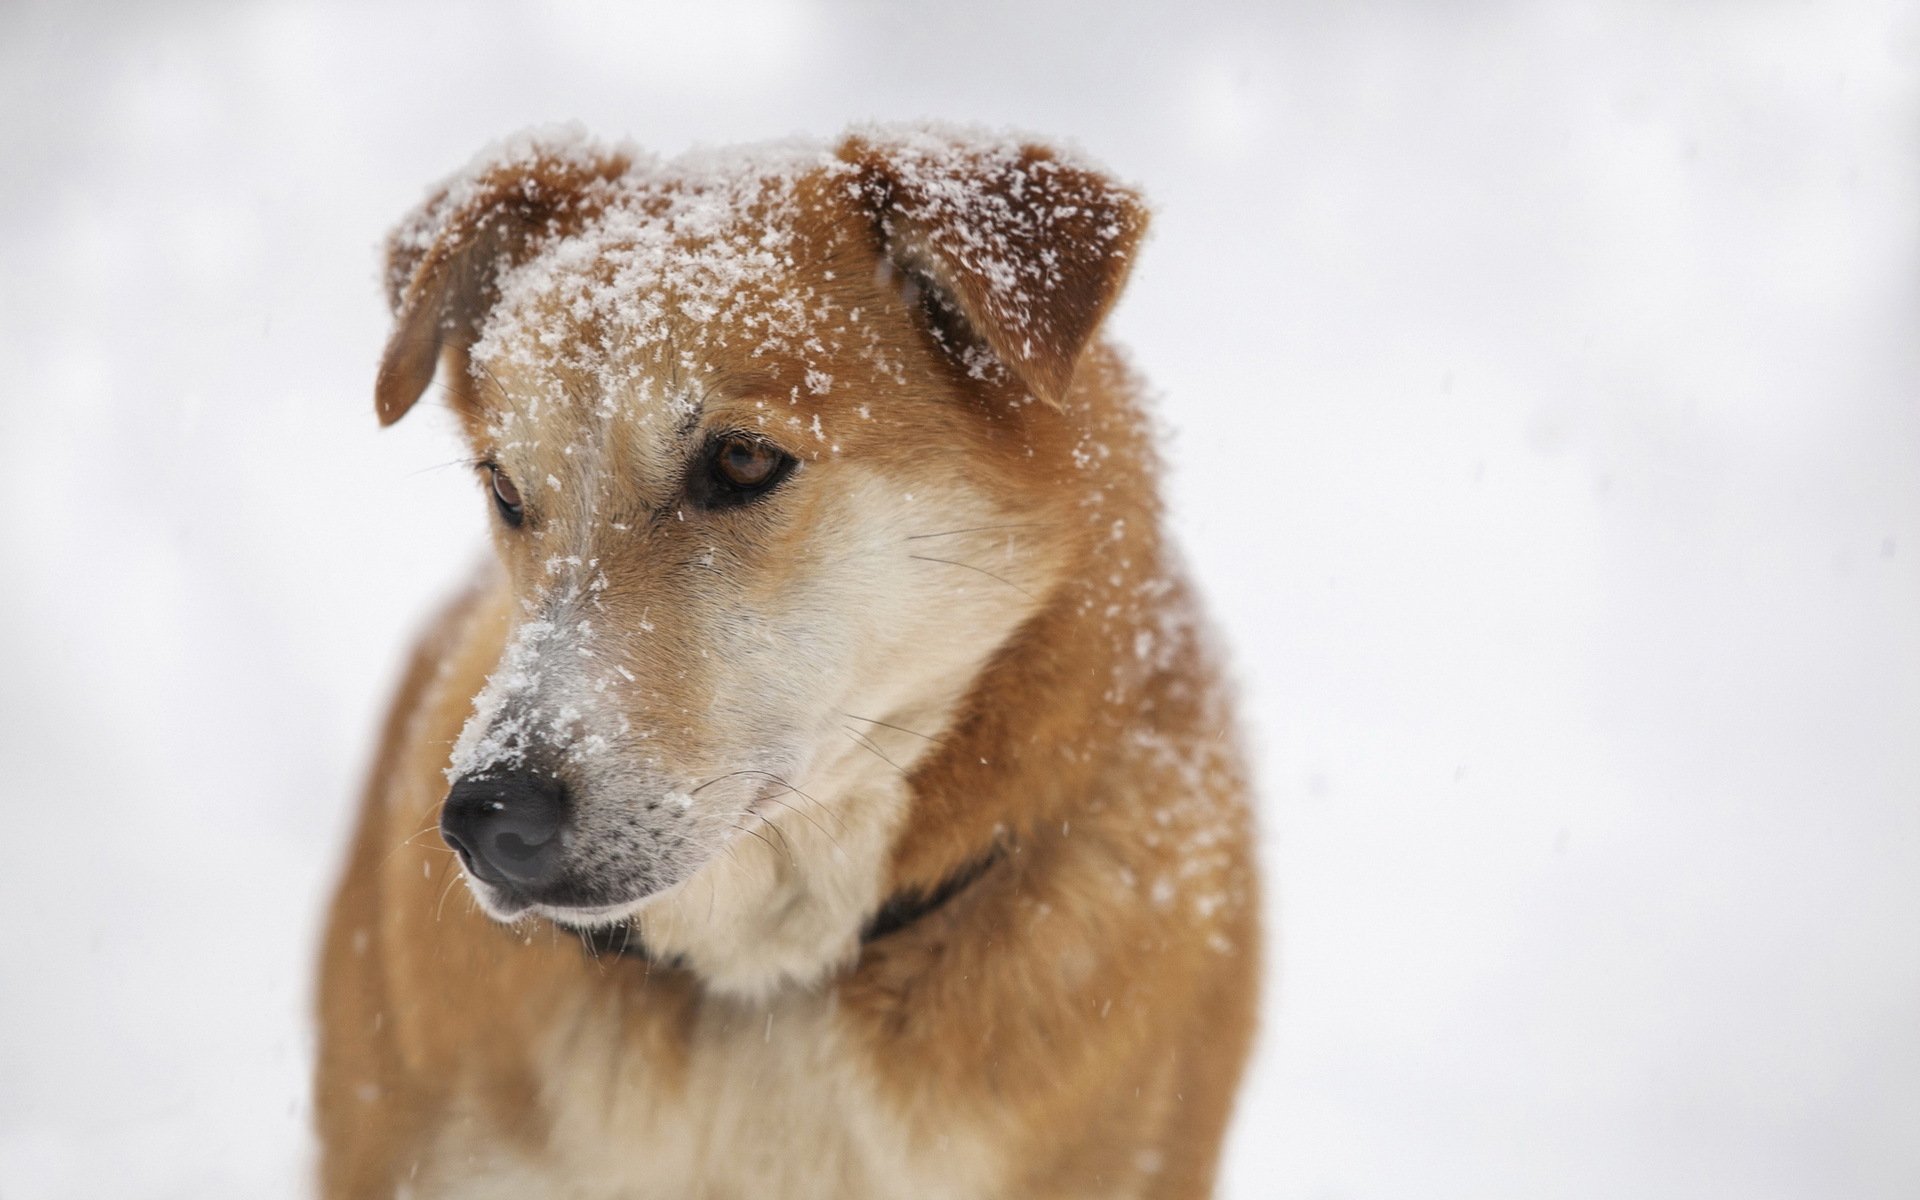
(861, 739)
(915, 537)
(457, 462)
(402, 844)
(888, 725)
(413, 839)
(453, 877)
(982, 570)
(500, 389)
(786, 846)
(810, 799)
(790, 788)
(717, 778)
(769, 845)
(809, 820)
(787, 789)
(433, 823)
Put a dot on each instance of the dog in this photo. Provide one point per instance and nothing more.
(836, 767)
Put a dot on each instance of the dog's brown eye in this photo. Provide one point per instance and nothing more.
(737, 468)
(745, 463)
(506, 497)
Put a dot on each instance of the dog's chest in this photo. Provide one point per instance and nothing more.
(774, 1102)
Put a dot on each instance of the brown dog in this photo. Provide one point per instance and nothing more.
(846, 794)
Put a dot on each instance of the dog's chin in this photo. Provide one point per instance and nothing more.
(508, 908)
(497, 903)
(591, 917)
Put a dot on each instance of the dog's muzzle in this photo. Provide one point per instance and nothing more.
(506, 829)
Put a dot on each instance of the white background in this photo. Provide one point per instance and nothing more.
(1545, 379)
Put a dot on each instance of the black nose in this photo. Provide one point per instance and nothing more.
(506, 828)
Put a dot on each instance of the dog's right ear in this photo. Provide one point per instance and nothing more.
(444, 261)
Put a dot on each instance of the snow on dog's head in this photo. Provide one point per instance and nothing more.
(781, 442)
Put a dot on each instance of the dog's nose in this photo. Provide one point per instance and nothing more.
(506, 828)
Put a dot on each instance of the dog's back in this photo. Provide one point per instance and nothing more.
(894, 787)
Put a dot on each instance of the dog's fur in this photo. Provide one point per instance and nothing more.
(949, 657)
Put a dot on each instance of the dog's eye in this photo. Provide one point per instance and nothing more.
(506, 497)
(738, 468)
(745, 463)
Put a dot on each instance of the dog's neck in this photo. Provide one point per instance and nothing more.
(902, 910)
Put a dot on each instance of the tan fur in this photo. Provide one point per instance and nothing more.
(959, 627)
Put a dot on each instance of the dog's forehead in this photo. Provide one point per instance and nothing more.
(681, 282)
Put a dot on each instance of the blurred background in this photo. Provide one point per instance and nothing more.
(1544, 378)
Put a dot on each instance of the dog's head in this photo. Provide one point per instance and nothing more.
(780, 447)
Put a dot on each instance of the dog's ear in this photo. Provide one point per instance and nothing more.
(445, 260)
(1031, 249)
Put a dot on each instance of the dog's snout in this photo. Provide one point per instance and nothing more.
(506, 828)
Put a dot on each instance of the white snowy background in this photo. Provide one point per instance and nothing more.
(1548, 443)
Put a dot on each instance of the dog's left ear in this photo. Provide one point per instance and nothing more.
(1031, 249)
(445, 260)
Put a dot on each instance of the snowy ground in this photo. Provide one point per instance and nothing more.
(1546, 385)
